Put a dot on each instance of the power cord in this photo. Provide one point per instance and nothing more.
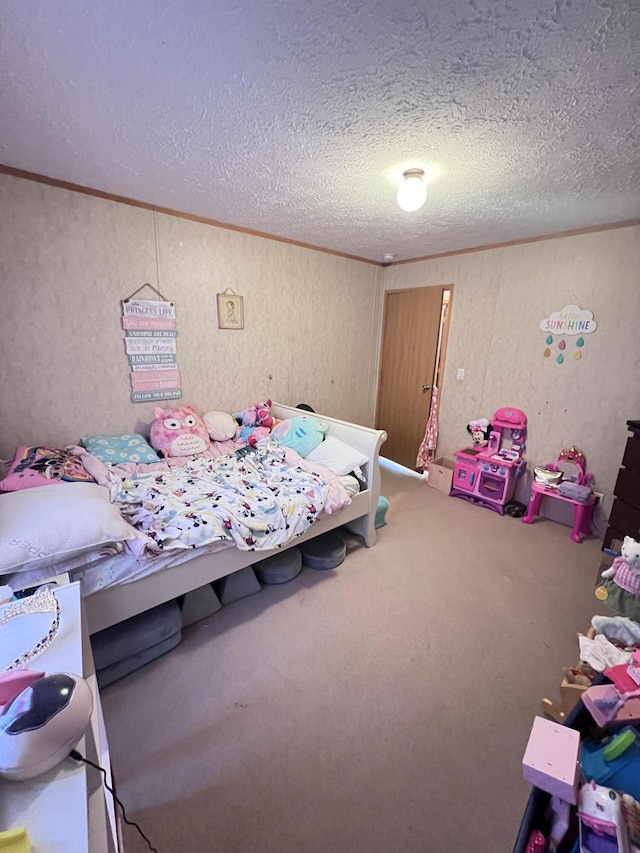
(78, 757)
(599, 515)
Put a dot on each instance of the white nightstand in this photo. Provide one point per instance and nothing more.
(68, 808)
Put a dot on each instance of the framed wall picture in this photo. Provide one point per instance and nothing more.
(230, 310)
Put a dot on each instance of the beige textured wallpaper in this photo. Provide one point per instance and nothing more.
(312, 326)
(66, 260)
(500, 297)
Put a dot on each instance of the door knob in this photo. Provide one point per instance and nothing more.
(426, 387)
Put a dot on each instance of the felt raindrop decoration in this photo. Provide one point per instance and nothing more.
(566, 331)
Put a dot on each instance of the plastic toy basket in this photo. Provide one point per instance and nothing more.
(533, 818)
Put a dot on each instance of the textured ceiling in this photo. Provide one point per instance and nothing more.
(297, 117)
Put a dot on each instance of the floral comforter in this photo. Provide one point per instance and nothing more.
(253, 498)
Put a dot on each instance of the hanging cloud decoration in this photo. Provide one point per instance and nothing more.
(570, 320)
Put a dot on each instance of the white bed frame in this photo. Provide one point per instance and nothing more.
(112, 605)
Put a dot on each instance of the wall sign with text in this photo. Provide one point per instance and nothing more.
(571, 321)
(151, 347)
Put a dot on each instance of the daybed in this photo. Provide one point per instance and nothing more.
(112, 604)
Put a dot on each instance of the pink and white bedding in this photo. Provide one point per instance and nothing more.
(256, 500)
(259, 498)
(112, 566)
(106, 571)
(106, 568)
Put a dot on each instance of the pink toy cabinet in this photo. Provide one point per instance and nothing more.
(487, 475)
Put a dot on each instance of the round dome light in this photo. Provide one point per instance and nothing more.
(412, 192)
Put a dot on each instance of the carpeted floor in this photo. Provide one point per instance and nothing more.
(381, 707)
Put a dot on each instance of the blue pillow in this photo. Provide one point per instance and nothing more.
(301, 433)
(120, 448)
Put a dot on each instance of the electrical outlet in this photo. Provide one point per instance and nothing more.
(460, 373)
(599, 498)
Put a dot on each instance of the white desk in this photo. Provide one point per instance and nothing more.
(66, 809)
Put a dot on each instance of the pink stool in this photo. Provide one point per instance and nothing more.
(582, 512)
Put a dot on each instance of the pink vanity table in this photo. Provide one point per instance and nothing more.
(582, 513)
(582, 510)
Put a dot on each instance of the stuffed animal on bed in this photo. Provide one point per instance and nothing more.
(256, 416)
(301, 434)
(254, 423)
(252, 435)
(621, 588)
(178, 431)
(221, 426)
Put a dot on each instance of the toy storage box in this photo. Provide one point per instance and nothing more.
(441, 474)
(551, 760)
(534, 814)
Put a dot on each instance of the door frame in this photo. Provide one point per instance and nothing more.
(445, 340)
(445, 337)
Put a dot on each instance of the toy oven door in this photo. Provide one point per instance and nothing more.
(491, 486)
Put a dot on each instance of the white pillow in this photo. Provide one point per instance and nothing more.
(221, 426)
(41, 526)
(337, 456)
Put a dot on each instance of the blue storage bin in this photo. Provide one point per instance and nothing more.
(621, 772)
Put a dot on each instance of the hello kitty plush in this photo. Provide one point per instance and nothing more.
(621, 588)
(178, 431)
(626, 568)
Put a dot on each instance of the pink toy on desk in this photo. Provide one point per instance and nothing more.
(582, 510)
(487, 475)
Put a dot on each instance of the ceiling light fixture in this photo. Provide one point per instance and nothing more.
(412, 192)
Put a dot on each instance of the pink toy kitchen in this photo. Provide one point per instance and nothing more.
(487, 475)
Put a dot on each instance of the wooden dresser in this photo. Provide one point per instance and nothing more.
(624, 519)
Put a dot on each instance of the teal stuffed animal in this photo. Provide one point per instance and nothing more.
(301, 434)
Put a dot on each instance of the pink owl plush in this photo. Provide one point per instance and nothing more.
(178, 431)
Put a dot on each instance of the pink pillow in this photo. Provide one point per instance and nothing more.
(43, 466)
